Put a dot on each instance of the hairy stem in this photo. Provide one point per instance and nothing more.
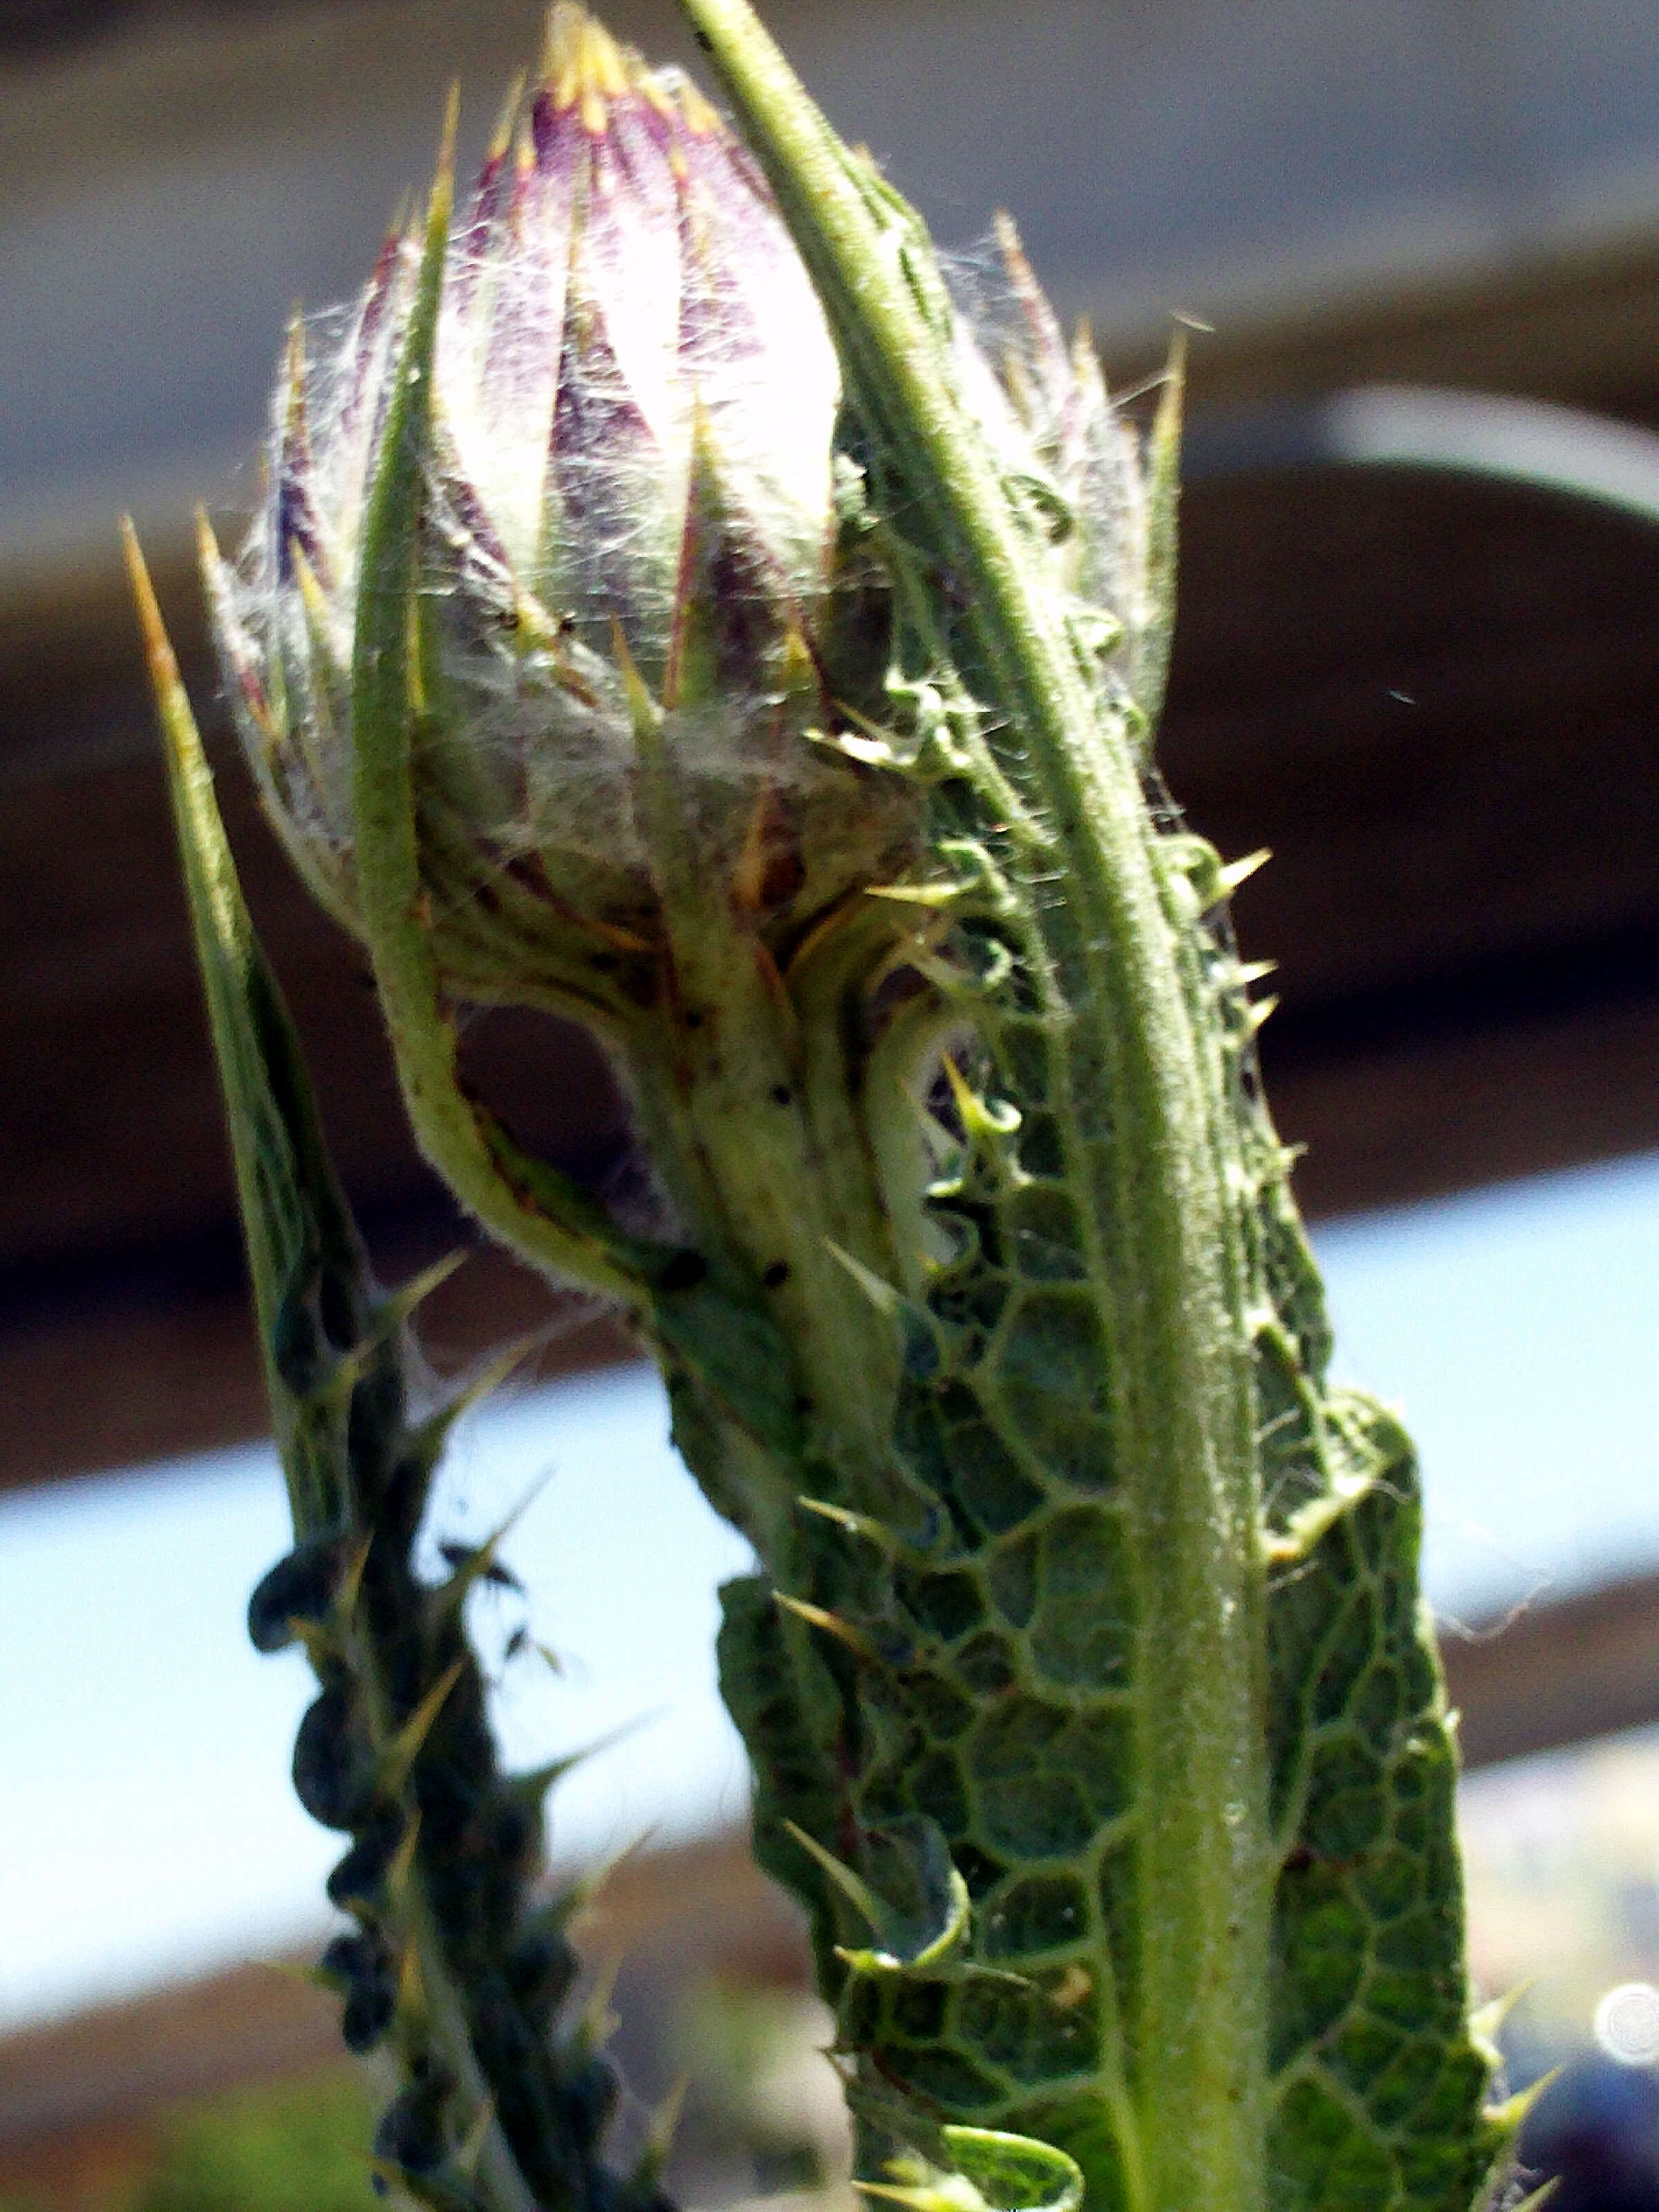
(1163, 1256)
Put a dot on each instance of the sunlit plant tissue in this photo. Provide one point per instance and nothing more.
(684, 606)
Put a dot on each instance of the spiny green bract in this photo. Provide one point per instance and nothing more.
(455, 1965)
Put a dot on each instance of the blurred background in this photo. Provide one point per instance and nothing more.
(1418, 658)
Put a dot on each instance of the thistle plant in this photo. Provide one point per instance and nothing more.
(685, 606)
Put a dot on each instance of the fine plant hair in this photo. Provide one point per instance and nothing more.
(685, 606)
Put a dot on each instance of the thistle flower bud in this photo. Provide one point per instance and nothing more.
(633, 505)
(629, 483)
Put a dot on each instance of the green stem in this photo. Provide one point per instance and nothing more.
(1163, 1251)
(394, 900)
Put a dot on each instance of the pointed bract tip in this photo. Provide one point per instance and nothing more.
(703, 117)
(506, 122)
(642, 709)
(1166, 422)
(294, 359)
(1539, 2196)
(749, 875)
(442, 197)
(585, 67)
(469, 2151)
(1486, 2021)
(405, 1748)
(401, 1872)
(351, 1582)
(855, 1524)
(597, 2023)
(1234, 872)
(664, 2126)
(828, 1624)
(980, 1118)
(312, 597)
(531, 1786)
(966, 1104)
(852, 1887)
(1511, 2116)
(881, 1293)
(208, 558)
(1011, 247)
(396, 1308)
(158, 649)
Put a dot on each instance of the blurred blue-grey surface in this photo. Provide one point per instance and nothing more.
(170, 188)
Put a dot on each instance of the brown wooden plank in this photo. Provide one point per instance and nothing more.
(1563, 1671)
(81, 2099)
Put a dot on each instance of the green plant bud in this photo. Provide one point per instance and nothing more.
(333, 1762)
(299, 1589)
(542, 1966)
(367, 2013)
(629, 483)
(590, 2100)
(364, 1971)
(357, 1882)
(410, 2134)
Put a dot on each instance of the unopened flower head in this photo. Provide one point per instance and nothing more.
(630, 484)
(632, 493)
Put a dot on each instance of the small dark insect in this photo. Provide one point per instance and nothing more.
(412, 2132)
(463, 1555)
(521, 1641)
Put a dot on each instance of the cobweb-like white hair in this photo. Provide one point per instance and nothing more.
(632, 475)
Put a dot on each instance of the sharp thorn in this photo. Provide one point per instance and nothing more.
(852, 1887)
(597, 2023)
(660, 2137)
(393, 1312)
(532, 1786)
(856, 1524)
(1486, 2021)
(405, 1748)
(1537, 2199)
(881, 1294)
(1512, 2114)
(1234, 872)
(400, 1871)
(831, 1624)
